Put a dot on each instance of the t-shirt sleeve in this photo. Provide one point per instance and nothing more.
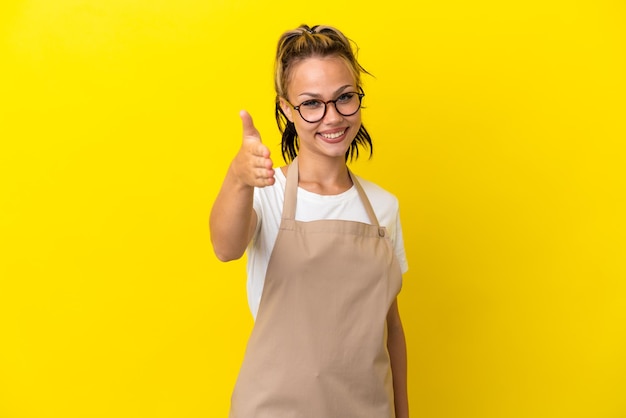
(399, 245)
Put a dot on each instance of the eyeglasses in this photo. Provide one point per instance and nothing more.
(314, 110)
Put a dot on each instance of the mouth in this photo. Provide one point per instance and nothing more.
(333, 137)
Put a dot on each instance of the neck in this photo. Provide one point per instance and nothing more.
(324, 176)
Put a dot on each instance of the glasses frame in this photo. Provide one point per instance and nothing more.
(334, 102)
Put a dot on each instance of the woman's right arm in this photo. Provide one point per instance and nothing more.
(233, 219)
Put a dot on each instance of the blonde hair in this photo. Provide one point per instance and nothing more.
(318, 41)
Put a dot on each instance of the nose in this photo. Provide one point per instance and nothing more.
(332, 115)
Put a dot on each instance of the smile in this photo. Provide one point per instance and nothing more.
(333, 135)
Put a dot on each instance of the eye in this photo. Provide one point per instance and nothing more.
(346, 97)
(312, 104)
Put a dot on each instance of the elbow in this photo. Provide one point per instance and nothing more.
(227, 246)
(227, 254)
(225, 257)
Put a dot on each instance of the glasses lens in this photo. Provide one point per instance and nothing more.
(348, 103)
(312, 110)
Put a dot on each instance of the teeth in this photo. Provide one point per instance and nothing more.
(333, 136)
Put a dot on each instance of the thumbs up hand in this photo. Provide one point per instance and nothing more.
(252, 165)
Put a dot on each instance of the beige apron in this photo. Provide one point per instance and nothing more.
(318, 348)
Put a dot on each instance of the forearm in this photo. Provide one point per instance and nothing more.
(396, 344)
(232, 219)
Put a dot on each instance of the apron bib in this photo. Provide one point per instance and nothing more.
(318, 348)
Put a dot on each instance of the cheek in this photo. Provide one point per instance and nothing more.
(355, 122)
(303, 128)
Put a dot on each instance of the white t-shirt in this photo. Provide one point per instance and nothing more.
(268, 204)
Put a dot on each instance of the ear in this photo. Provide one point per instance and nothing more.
(286, 108)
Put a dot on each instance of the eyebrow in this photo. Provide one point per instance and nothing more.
(339, 90)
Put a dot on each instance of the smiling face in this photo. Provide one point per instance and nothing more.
(322, 78)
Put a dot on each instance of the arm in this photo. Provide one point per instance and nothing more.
(233, 219)
(396, 344)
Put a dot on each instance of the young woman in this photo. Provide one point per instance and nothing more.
(325, 248)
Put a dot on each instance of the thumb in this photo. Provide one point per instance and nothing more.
(249, 131)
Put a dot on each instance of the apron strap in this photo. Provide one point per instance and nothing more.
(291, 191)
(364, 199)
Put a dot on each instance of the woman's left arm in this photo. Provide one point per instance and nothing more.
(396, 344)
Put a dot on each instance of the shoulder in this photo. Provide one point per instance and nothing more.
(385, 204)
(378, 195)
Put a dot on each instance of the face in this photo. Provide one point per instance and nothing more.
(323, 79)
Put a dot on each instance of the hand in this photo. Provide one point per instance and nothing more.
(252, 165)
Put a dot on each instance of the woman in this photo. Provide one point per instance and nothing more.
(325, 249)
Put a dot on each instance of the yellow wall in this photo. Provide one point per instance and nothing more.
(499, 125)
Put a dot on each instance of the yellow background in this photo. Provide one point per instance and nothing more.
(499, 125)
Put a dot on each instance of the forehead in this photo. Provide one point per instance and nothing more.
(319, 75)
